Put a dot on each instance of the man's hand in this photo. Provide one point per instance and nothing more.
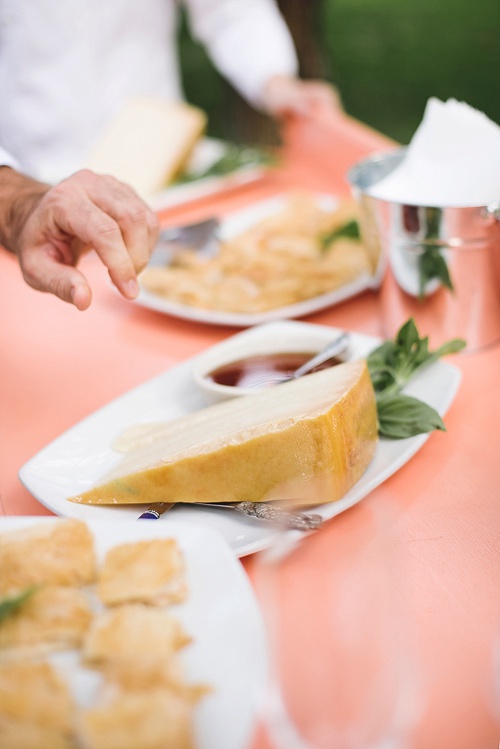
(49, 229)
(284, 95)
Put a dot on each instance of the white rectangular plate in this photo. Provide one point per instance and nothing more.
(221, 615)
(232, 226)
(76, 460)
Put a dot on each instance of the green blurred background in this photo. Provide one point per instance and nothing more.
(387, 57)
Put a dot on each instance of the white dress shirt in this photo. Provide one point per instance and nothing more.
(66, 66)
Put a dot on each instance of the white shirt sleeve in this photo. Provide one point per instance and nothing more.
(7, 160)
(248, 41)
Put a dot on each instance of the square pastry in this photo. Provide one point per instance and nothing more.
(133, 632)
(60, 553)
(146, 571)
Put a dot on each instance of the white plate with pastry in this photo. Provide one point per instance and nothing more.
(76, 461)
(271, 264)
(219, 614)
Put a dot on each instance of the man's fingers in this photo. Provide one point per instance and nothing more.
(99, 212)
(138, 224)
(95, 228)
(43, 271)
(81, 296)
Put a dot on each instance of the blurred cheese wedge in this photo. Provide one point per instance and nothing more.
(307, 440)
(147, 143)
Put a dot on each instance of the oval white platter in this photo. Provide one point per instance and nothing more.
(77, 459)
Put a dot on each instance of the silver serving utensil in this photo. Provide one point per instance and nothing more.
(302, 521)
(200, 237)
(337, 346)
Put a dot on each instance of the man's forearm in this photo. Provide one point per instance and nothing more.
(19, 195)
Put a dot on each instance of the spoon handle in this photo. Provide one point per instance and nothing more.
(335, 347)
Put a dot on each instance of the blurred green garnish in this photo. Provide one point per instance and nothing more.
(349, 230)
(11, 604)
(235, 157)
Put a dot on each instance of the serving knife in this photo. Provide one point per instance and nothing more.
(302, 521)
(155, 511)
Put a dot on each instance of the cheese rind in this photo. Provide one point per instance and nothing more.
(307, 441)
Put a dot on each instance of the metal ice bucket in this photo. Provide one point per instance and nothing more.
(439, 265)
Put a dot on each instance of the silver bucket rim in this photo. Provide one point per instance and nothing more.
(394, 157)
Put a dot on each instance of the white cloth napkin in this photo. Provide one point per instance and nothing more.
(452, 160)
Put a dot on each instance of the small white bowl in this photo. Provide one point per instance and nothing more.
(272, 338)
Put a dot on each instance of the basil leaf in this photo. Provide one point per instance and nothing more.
(393, 363)
(349, 230)
(391, 366)
(381, 371)
(401, 416)
(408, 336)
(10, 604)
(450, 347)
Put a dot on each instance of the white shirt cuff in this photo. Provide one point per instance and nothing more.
(7, 160)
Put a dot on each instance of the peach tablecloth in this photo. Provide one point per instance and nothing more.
(59, 365)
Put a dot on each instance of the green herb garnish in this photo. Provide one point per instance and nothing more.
(400, 416)
(234, 157)
(349, 230)
(12, 603)
(391, 366)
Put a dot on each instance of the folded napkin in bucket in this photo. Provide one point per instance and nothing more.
(453, 159)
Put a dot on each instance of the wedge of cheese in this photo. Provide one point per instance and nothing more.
(306, 441)
(147, 143)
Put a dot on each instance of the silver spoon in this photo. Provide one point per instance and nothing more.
(334, 348)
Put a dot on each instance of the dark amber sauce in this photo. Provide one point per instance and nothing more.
(263, 370)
